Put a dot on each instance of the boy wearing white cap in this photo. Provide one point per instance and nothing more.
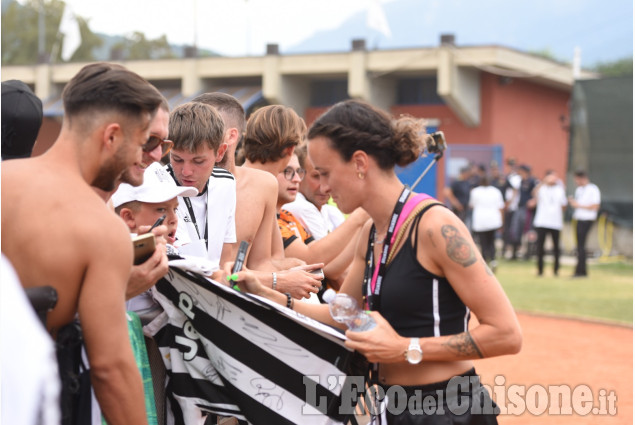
(157, 196)
(142, 206)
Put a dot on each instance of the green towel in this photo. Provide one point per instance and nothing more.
(135, 332)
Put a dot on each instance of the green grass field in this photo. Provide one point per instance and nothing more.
(607, 294)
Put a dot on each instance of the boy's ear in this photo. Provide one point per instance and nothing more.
(128, 216)
(220, 153)
(232, 136)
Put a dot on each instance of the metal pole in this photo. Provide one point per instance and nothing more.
(41, 33)
(436, 158)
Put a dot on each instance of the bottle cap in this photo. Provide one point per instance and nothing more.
(329, 295)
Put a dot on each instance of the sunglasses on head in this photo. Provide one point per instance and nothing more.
(289, 172)
(154, 141)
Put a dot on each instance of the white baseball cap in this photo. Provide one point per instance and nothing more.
(158, 186)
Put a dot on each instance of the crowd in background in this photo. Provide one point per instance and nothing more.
(519, 210)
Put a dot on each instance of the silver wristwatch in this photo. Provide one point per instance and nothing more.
(413, 353)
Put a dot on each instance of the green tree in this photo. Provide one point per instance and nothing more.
(618, 68)
(20, 33)
(138, 47)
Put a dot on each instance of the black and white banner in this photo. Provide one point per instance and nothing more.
(234, 354)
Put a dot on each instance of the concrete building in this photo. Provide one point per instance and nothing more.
(491, 102)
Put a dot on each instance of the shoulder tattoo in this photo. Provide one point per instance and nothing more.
(463, 344)
(457, 247)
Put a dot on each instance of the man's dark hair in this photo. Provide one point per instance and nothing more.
(228, 106)
(109, 87)
(580, 173)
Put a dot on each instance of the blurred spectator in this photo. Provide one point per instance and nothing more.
(487, 216)
(512, 194)
(550, 201)
(586, 203)
(520, 219)
(21, 119)
(496, 177)
(458, 194)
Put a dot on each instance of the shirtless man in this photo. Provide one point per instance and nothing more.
(256, 193)
(57, 231)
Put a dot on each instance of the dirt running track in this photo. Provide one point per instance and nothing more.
(576, 353)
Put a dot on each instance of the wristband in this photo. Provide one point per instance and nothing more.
(274, 281)
(289, 299)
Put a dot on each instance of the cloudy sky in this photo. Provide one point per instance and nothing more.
(230, 27)
(602, 28)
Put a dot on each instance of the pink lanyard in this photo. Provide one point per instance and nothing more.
(374, 286)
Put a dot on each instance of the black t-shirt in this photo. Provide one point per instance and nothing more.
(526, 187)
(461, 190)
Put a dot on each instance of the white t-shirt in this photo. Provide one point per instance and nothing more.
(512, 194)
(586, 195)
(318, 222)
(486, 203)
(220, 205)
(550, 200)
(30, 376)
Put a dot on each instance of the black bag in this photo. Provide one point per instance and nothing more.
(75, 399)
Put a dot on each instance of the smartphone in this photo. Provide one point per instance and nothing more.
(158, 222)
(317, 271)
(437, 144)
(240, 257)
(143, 246)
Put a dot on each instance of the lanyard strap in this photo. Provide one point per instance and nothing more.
(190, 209)
(372, 286)
(188, 203)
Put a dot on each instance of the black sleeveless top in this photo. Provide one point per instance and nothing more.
(416, 302)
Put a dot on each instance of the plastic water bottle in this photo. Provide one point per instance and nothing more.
(344, 309)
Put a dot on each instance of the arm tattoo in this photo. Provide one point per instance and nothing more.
(463, 344)
(458, 248)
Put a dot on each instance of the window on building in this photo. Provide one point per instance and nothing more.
(327, 93)
(418, 91)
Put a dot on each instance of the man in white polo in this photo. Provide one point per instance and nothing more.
(586, 203)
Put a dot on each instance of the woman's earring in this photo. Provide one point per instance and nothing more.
(360, 175)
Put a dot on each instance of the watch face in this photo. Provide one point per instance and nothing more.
(414, 356)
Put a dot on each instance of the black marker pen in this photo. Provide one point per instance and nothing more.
(158, 222)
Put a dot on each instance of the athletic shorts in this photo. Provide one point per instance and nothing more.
(461, 400)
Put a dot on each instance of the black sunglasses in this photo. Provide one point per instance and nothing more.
(154, 141)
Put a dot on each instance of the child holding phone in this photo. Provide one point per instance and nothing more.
(142, 206)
